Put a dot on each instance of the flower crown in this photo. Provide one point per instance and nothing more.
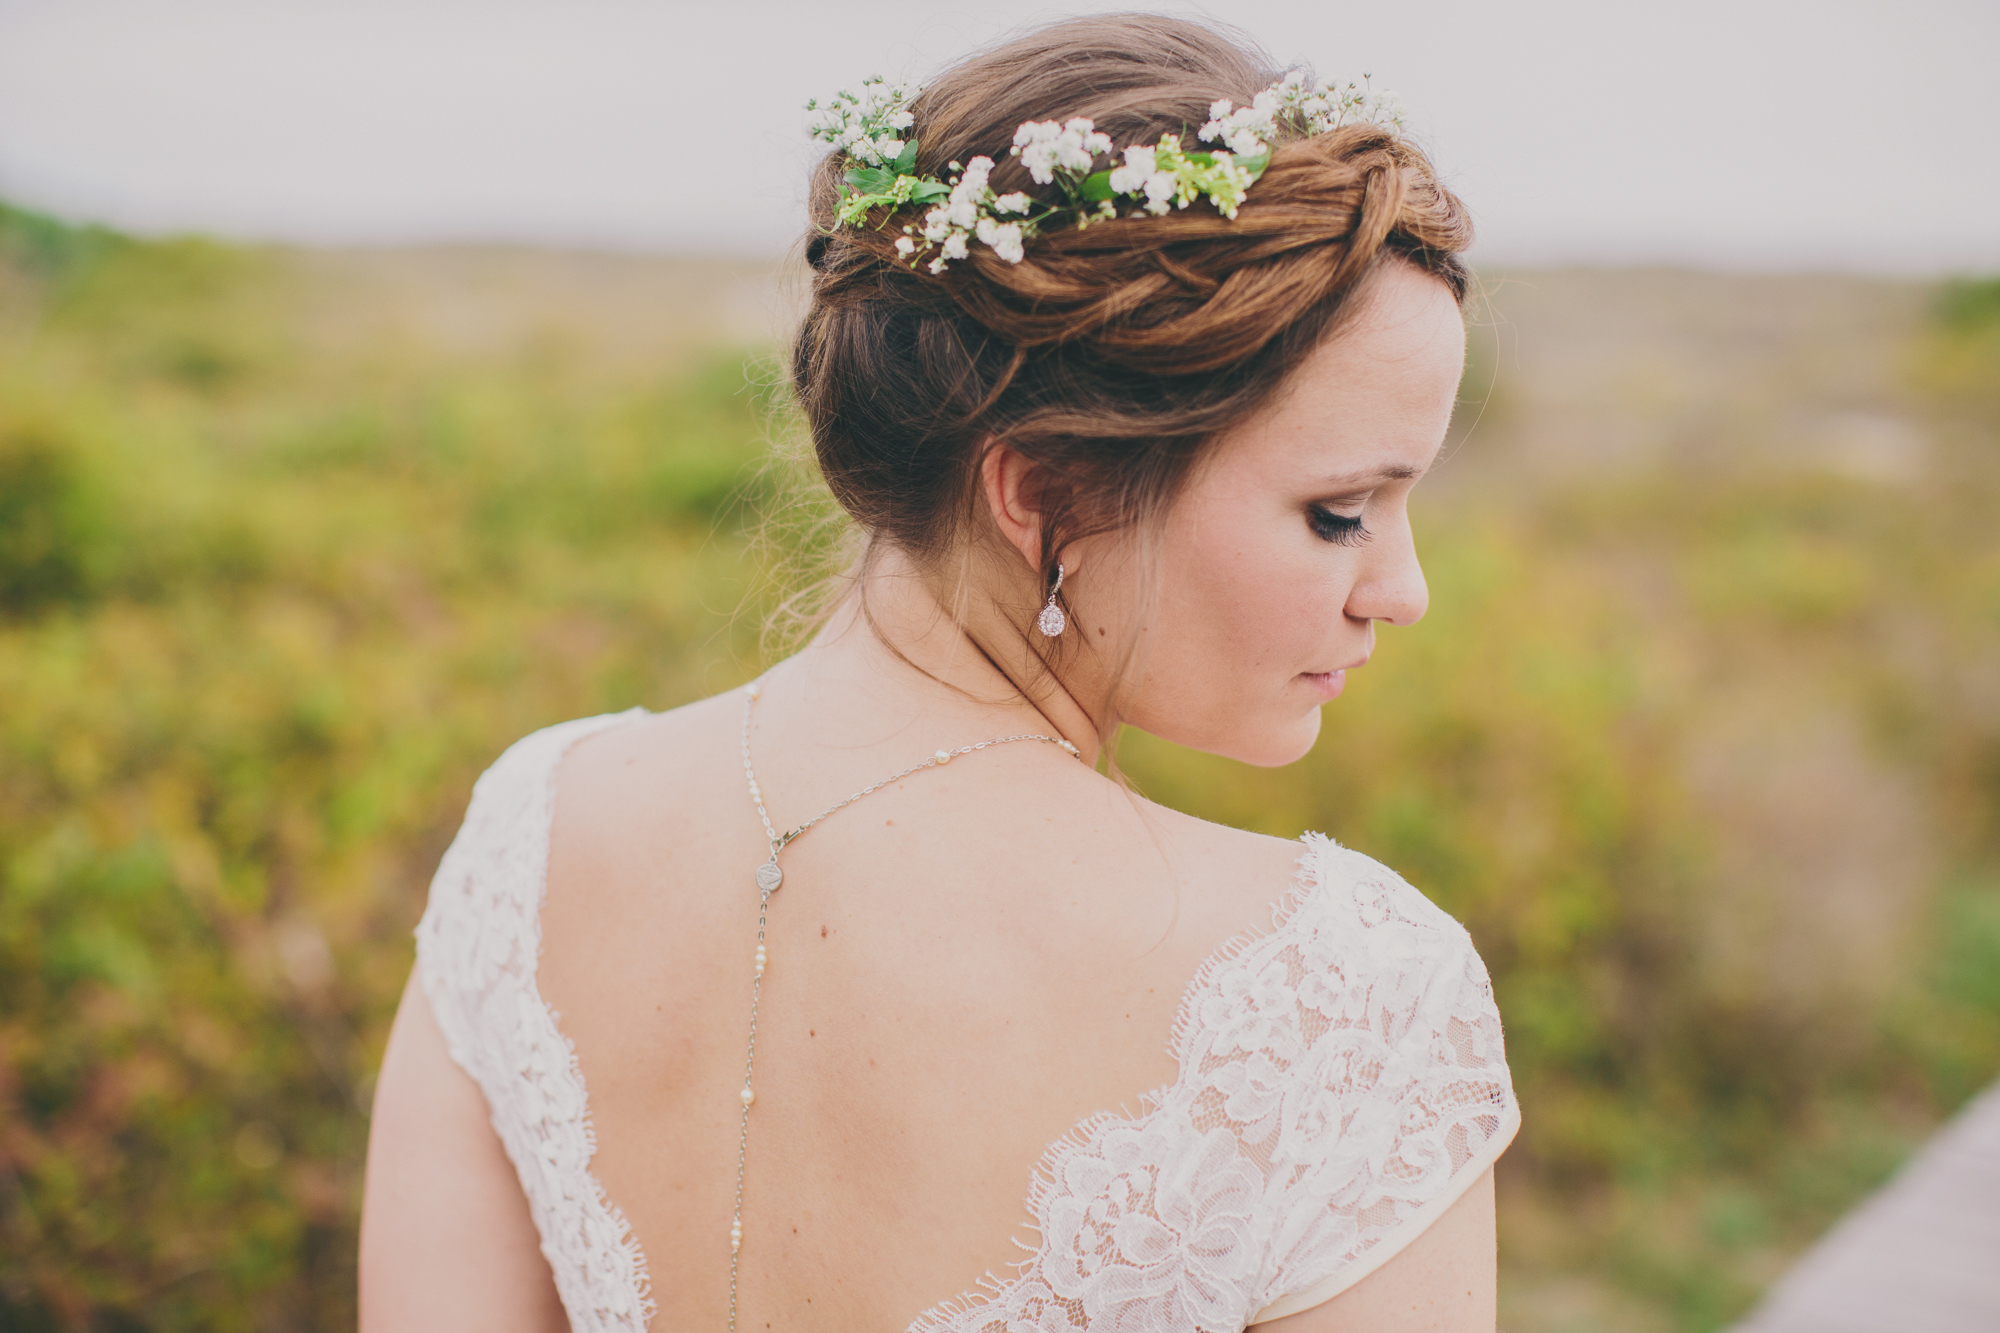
(869, 129)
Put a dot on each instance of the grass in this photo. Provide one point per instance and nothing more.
(1701, 743)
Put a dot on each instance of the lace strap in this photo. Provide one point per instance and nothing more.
(1387, 1122)
(483, 918)
(477, 948)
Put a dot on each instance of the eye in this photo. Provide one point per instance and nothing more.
(1336, 527)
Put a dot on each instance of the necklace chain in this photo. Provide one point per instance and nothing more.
(768, 879)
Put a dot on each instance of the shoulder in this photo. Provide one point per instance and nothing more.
(1351, 948)
(1349, 898)
(517, 786)
(1244, 879)
(481, 916)
(1339, 901)
(630, 751)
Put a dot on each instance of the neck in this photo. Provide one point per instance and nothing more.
(894, 653)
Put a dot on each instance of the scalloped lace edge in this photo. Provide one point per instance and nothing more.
(626, 1238)
(1047, 1176)
(536, 831)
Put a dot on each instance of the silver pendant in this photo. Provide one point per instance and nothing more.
(1051, 622)
(769, 877)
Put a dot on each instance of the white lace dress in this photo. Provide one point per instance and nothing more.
(1341, 1083)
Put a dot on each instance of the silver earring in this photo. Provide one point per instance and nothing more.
(1052, 620)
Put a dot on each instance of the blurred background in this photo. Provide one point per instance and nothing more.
(381, 382)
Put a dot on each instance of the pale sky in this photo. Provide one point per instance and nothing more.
(1790, 134)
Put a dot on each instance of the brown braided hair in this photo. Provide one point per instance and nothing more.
(1110, 356)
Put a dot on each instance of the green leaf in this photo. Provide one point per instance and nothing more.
(1255, 165)
(855, 208)
(929, 191)
(1096, 187)
(871, 180)
(906, 162)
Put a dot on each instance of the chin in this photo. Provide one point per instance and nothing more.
(1286, 745)
(1262, 742)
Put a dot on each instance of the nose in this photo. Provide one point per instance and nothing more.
(1391, 585)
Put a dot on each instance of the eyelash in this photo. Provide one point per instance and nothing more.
(1336, 528)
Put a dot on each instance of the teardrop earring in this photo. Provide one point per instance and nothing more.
(1052, 620)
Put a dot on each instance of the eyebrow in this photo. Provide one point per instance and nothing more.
(1397, 472)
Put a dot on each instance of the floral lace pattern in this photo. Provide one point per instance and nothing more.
(477, 948)
(1342, 1080)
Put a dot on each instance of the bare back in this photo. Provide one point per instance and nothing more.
(963, 967)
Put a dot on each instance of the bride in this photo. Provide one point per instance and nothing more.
(859, 997)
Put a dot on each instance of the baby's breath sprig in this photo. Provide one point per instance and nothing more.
(1167, 177)
(1319, 109)
(1158, 178)
(867, 126)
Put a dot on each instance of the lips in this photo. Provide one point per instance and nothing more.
(1326, 684)
(1360, 661)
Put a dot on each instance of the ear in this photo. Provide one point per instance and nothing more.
(1007, 481)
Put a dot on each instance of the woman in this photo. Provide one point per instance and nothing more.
(997, 1044)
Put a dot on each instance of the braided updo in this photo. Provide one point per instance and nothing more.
(1110, 355)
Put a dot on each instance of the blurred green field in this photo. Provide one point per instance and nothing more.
(1701, 737)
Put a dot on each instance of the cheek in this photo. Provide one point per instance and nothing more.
(1255, 597)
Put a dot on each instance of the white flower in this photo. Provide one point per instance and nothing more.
(954, 245)
(867, 126)
(1247, 130)
(1132, 177)
(1034, 143)
(1382, 108)
(1327, 106)
(1044, 145)
(1004, 237)
(1160, 189)
(905, 246)
(1247, 140)
(1013, 203)
(1079, 145)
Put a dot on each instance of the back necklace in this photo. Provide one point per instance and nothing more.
(769, 877)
